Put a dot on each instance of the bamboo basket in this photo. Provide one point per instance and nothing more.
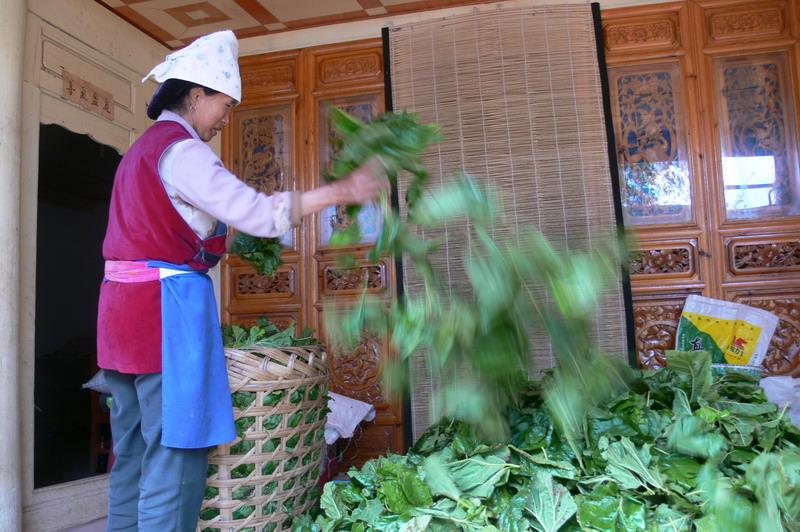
(268, 474)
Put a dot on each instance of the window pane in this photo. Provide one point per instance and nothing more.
(757, 124)
(655, 178)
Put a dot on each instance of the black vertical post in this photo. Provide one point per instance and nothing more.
(615, 183)
(395, 199)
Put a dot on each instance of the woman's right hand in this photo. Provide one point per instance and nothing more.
(364, 184)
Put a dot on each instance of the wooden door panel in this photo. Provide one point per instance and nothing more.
(350, 77)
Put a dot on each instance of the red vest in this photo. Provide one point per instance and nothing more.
(144, 225)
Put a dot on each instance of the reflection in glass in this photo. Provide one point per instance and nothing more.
(648, 122)
(759, 154)
(749, 182)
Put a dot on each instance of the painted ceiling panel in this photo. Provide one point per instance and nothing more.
(176, 23)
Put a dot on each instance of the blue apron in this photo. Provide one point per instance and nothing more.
(196, 399)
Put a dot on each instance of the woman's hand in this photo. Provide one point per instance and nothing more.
(364, 184)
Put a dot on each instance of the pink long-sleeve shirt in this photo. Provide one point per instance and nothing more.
(204, 191)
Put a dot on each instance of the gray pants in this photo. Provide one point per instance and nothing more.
(152, 488)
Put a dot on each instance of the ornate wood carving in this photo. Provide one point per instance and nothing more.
(662, 261)
(350, 68)
(656, 323)
(762, 257)
(783, 353)
(757, 21)
(264, 156)
(282, 282)
(259, 80)
(655, 33)
(356, 372)
(369, 276)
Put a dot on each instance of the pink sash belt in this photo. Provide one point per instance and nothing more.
(128, 271)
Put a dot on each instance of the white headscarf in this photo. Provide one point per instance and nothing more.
(211, 61)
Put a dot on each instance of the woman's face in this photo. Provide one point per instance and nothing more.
(208, 114)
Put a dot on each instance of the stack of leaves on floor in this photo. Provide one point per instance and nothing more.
(679, 451)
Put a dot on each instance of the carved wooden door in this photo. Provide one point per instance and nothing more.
(704, 101)
(280, 138)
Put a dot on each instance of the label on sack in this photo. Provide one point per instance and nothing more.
(732, 332)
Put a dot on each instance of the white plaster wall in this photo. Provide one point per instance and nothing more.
(365, 29)
(98, 46)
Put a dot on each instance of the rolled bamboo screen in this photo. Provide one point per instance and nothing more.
(517, 95)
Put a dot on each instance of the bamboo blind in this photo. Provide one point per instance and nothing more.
(517, 95)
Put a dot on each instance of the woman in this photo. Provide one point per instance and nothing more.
(158, 334)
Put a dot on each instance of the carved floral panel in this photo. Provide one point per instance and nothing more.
(764, 20)
(765, 257)
(364, 108)
(260, 80)
(638, 35)
(264, 158)
(371, 277)
(356, 372)
(662, 261)
(250, 284)
(783, 353)
(655, 322)
(351, 68)
(758, 136)
(651, 146)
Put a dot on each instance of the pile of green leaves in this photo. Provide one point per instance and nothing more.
(263, 253)
(266, 334)
(397, 140)
(678, 451)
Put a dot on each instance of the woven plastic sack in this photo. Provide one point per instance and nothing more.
(732, 332)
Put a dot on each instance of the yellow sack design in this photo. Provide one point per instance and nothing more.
(733, 333)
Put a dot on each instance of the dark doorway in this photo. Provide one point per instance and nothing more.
(71, 432)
